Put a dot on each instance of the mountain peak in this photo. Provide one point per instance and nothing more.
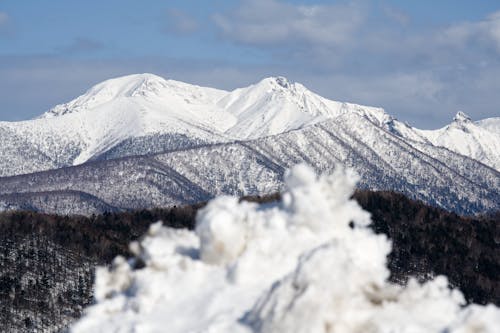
(125, 85)
(282, 81)
(136, 77)
(130, 85)
(461, 117)
(144, 84)
(277, 81)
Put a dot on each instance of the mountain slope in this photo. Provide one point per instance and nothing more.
(490, 124)
(384, 161)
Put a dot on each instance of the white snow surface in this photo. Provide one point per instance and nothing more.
(296, 266)
(490, 124)
(269, 107)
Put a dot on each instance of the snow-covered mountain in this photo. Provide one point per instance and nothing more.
(491, 124)
(105, 116)
(269, 107)
(479, 140)
(145, 141)
(144, 113)
(385, 162)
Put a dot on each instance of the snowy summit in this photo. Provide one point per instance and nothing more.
(461, 117)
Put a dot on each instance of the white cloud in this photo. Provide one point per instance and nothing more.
(265, 22)
(485, 33)
(334, 37)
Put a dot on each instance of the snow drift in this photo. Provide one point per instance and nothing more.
(307, 264)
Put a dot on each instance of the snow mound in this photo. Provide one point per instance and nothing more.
(307, 264)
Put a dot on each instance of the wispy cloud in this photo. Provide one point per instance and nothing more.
(336, 33)
(266, 22)
(485, 33)
(348, 52)
(396, 15)
(373, 54)
(180, 22)
(82, 45)
(4, 19)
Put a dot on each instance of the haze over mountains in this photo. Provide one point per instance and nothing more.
(142, 141)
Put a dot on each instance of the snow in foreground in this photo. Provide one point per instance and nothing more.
(299, 266)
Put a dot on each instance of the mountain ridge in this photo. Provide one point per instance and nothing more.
(178, 143)
(142, 105)
(384, 161)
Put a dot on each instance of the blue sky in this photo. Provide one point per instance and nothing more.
(420, 60)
